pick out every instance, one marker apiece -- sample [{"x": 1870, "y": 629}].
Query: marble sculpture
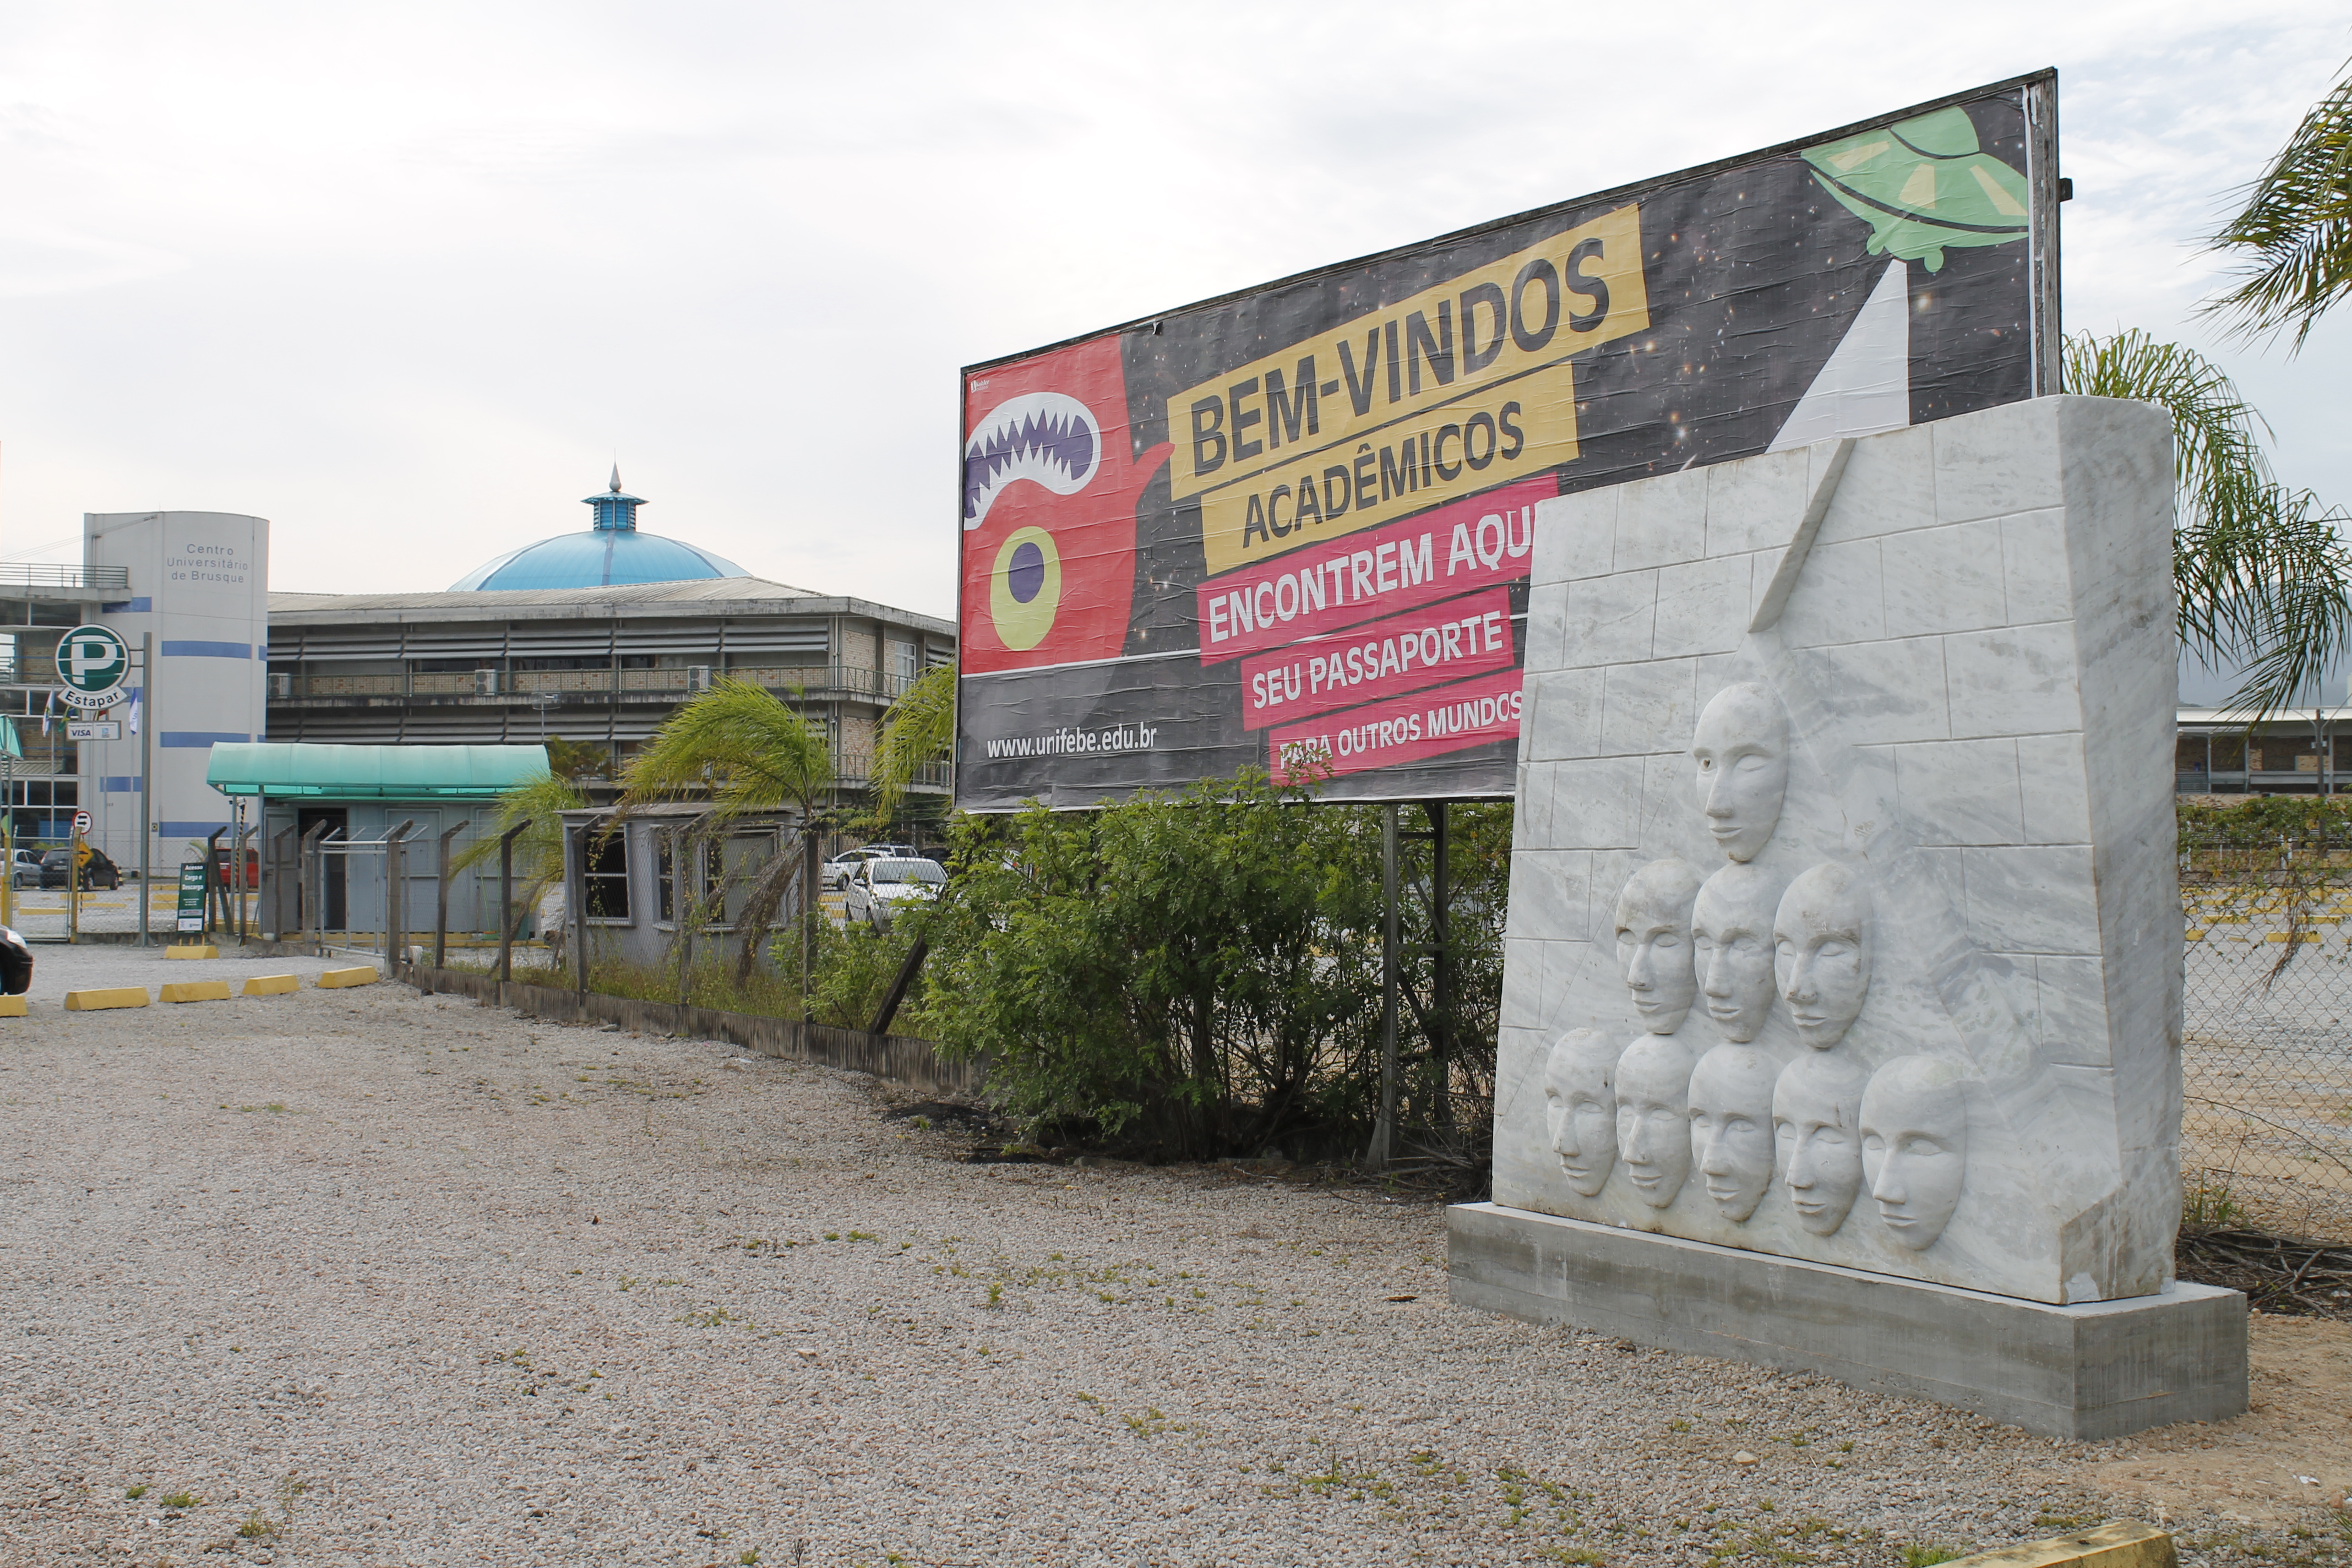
[{"x": 1828, "y": 745}]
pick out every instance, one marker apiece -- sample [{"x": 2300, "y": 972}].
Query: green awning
[{"x": 371, "y": 772}]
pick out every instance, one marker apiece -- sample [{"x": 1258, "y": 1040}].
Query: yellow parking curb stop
[
  {"x": 2124, "y": 1544},
  {"x": 12, "y": 1007},
  {"x": 272, "y": 985},
  {"x": 196, "y": 991},
  {"x": 99, "y": 1001},
  {"x": 337, "y": 979}
]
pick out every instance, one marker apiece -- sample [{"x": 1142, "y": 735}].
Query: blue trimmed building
[{"x": 595, "y": 636}]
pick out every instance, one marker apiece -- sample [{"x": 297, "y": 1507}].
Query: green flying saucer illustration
[{"x": 1924, "y": 186}]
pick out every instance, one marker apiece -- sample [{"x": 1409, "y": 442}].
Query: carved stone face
[
  {"x": 1653, "y": 942},
  {"x": 1732, "y": 946},
  {"x": 1821, "y": 938},
  {"x": 1914, "y": 1146},
  {"x": 1653, "y": 1117},
  {"x": 1740, "y": 748},
  {"x": 1817, "y": 1124},
  {"x": 1731, "y": 1127},
  {"x": 1580, "y": 1108}
]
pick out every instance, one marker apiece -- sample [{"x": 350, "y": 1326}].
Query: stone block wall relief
[{"x": 1843, "y": 917}]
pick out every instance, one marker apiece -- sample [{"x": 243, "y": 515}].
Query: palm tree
[
  {"x": 751, "y": 753},
  {"x": 2258, "y": 570},
  {"x": 2296, "y": 228},
  {"x": 918, "y": 730},
  {"x": 539, "y": 849}
]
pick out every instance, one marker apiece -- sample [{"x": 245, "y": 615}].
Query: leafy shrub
[{"x": 1196, "y": 973}]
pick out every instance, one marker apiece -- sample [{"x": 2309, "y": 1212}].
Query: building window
[
  {"x": 714, "y": 874},
  {"x": 902, "y": 660},
  {"x": 535, "y": 663},
  {"x": 607, "y": 876}
]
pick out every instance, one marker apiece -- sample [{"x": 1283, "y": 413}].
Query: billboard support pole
[
  {"x": 1441, "y": 971},
  {"x": 1384, "y": 1130}
]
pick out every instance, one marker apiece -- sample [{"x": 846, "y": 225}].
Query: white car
[
  {"x": 837, "y": 872},
  {"x": 25, "y": 869},
  {"x": 879, "y": 888}
]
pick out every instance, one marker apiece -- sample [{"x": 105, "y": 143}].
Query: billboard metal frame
[{"x": 2038, "y": 92}]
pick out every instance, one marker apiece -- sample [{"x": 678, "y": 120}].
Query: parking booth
[{"x": 321, "y": 832}]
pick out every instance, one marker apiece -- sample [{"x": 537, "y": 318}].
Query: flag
[
  {"x": 133, "y": 714},
  {"x": 9, "y": 744},
  {"x": 48, "y": 708}
]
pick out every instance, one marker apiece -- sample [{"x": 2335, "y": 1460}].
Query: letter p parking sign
[{"x": 92, "y": 662}]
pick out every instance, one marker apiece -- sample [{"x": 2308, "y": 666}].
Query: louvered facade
[{"x": 600, "y": 666}]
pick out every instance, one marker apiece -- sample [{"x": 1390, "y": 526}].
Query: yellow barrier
[
  {"x": 12, "y": 1007},
  {"x": 99, "y": 1001},
  {"x": 337, "y": 979},
  {"x": 272, "y": 985},
  {"x": 192, "y": 951},
  {"x": 196, "y": 991},
  {"x": 2125, "y": 1544}
]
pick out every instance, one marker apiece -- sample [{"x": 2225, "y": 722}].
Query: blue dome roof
[{"x": 611, "y": 554}]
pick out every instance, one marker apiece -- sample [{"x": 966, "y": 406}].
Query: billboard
[{"x": 1291, "y": 527}]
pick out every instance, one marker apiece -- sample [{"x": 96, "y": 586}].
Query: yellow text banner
[
  {"x": 1489, "y": 439},
  {"x": 1564, "y": 295}
]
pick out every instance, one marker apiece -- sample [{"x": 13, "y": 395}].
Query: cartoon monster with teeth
[{"x": 1051, "y": 481}]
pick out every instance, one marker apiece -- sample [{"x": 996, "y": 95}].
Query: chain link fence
[{"x": 2266, "y": 1129}]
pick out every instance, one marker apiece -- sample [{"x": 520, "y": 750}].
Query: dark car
[
  {"x": 15, "y": 964},
  {"x": 98, "y": 871}
]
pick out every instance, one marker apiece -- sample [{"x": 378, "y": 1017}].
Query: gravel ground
[{"x": 373, "y": 1278}]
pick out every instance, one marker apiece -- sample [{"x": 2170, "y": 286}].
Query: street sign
[
  {"x": 92, "y": 662},
  {"x": 93, "y": 728},
  {"x": 190, "y": 915},
  {"x": 81, "y": 822}
]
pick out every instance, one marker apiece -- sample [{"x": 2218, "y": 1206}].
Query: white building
[{"x": 199, "y": 586}]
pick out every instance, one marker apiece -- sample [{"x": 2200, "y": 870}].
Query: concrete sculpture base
[{"x": 2097, "y": 1370}]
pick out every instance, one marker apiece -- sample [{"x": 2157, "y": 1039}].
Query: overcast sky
[{"x": 406, "y": 280}]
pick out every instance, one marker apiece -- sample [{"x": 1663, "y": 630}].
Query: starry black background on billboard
[{"x": 1754, "y": 273}]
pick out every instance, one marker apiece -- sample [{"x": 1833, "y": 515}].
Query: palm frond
[
  {"x": 919, "y": 729},
  {"x": 2260, "y": 572},
  {"x": 769, "y": 892},
  {"x": 2296, "y": 230},
  {"x": 753, "y": 753},
  {"x": 538, "y": 848},
  {"x": 738, "y": 741}
]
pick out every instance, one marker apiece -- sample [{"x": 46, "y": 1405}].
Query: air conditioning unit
[
  {"x": 486, "y": 683},
  {"x": 697, "y": 677},
  {"x": 282, "y": 686}
]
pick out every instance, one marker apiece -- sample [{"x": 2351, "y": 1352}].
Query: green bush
[
  {"x": 853, "y": 970},
  {"x": 1194, "y": 973}
]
